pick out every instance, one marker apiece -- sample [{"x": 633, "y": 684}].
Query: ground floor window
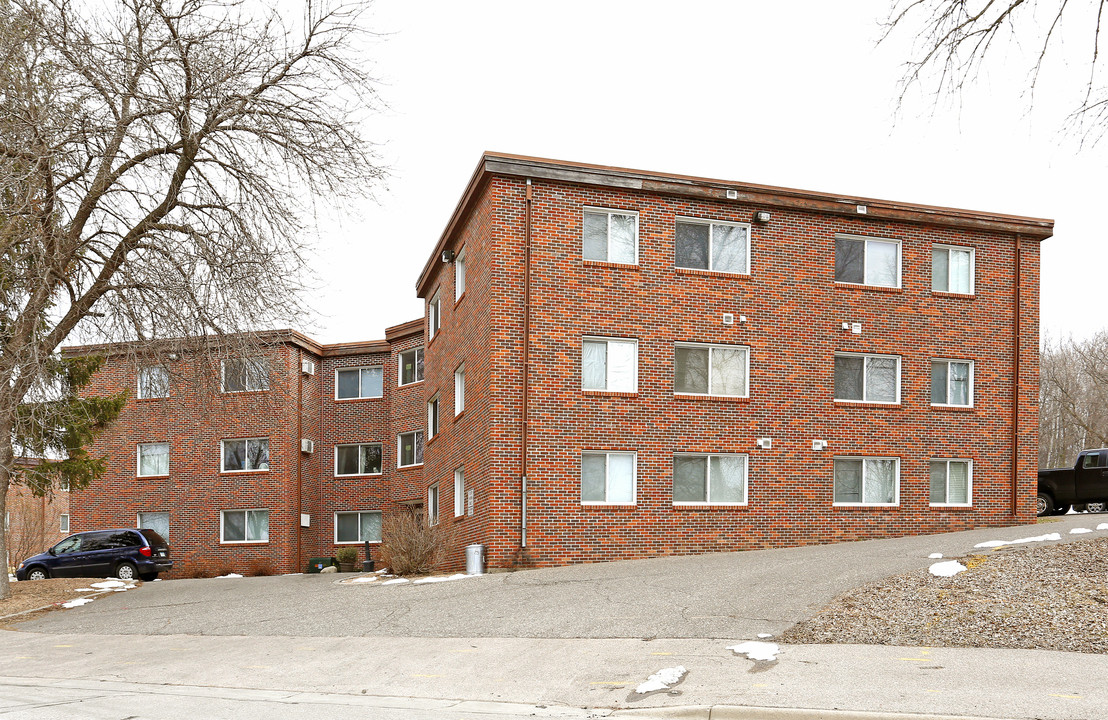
[
  {"x": 354, "y": 527},
  {"x": 238, "y": 526},
  {"x": 950, "y": 482},
  {"x": 63, "y": 523},
  {"x": 608, "y": 478},
  {"x": 156, "y": 521},
  {"x": 867, "y": 481},
  {"x": 433, "y": 504},
  {"x": 459, "y": 493},
  {"x": 705, "y": 479}
]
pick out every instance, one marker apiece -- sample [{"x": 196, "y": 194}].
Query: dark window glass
[
  {"x": 348, "y": 384},
  {"x": 691, "y": 370},
  {"x": 850, "y": 260},
  {"x": 156, "y": 541},
  {"x": 692, "y": 245},
  {"x": 848, "y": 377}
]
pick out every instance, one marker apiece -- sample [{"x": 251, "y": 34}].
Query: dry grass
[{"x": 30, "y": 595}]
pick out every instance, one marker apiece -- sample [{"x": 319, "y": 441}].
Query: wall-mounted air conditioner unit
[
  {"x": 765, "y": 443},
  {"x": 307, "y": 367},
  {"x": 307, "y": 446}
]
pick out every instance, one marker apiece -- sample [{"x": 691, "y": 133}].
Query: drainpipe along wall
[
  {"x": 299, "y": 456},
  {"x": 1018, "y": 281},
  {"x": 526, "y": 363}
]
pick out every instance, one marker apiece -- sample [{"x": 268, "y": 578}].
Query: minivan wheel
[
  {"x": 126, "y": 571},
  {"x": 1044, "y": 504},
  {"x": 1094, "y": 507},
  {"x": 37, "y": 574}
]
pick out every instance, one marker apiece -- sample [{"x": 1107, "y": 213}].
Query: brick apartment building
[{"x": 621, "y": 364}]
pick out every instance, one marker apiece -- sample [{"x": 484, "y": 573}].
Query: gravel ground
[
  {"x": 1052, "y": 597},
  {"x": 31, "y": 595}
]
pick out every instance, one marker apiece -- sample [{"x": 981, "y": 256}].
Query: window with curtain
[
  {"x": 356, "y": 527},
  {"x": 952, "y": 269},
  {"x": 709, "y": 479},
  {"x": 867, "y": 378},
  {"x": 366, "y": 382},
  {"x": 867, "y": 261},
  {"x": 704, "y": 245},
  {"x": 952, "y": 382},
  {"x": 866, "y": 481},
  {"x": 950, "y": 482},
  {"x": 610, "y": 236},
  {"x": 711, "y": 369},
  {"x": 608, "y": 478},
  {"x": 364, "y": 459},
  {"x": 153, "y": 459},
  {"x": 153, "y": 382},
  {"x": 244, "y": 526},
  {"x": 609, "y": 364}
]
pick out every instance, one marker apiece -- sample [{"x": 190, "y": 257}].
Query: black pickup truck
[{"x": 1083, "y": 486}]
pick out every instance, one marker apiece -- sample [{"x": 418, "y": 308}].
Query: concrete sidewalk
[{"x": 569, "y": 675}]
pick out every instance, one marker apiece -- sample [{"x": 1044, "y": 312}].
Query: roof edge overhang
[
  {"x": 263, "y": 338},
  {"x": 767, "y": 196}
]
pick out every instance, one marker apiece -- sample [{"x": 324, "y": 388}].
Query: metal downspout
[
  {"x": 1016, "y": 342},
  {"x": 526, "y": 363}
]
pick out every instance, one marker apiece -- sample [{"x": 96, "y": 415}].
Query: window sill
[
  {"x": 152, "y": 477},
  {"x": 459, "y": 416},
  {"x": 944, "y": 506},
  {"x": 359, "y": 399},
  {"x": 356, "y": 542},
  {"x": 608, "y": 505},
  {"x": 152, "y": 399},
  {"x": 409, "y": 467},
  {"x": 358, "y": 475},
  {"x": 955, "y": 296},
  {"x": 610, "y": 393},
  {"x": 458, "y": 300},
  {"x": 712, "y": 398},
  {"x": 431, "y": 340},
  {"x": 709, "y": 506},
  {"x": 954, "y": 408},
  {"x": 605, "y": 264},
  {"x": 244, "y": 472},
  {"x": 862, "y": 286},
  {"x": 243, "y": 542},
  {"x": 713, "y": 273},
  {"x": 407, "y": 385},
  {"x": 866, "y": 506},
  {"x": 431, "y": 440},
  {"x": 243, "y": 392},
  {"x": 871, "y": 405}
]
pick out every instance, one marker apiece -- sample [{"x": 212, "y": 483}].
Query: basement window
[{"x": 951, "y": 482}]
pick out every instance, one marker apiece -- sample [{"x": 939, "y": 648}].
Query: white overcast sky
[{"x": 781, "y": 93}]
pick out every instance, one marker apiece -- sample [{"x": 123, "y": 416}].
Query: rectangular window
[
  {"x": 867, "y": 261},
  {"x": 434, "y": 315},
  {"x": 366, "y": 382},
  {"x": 410, "y": 448},
  {"x": 243, "y": 526},
  {"x": 63, "y": 523},
  {"x": 153, "y": 459},
  {"x": 609, "y": 364},
  {"x": 952, "y": 269},
  {"x": 245, "y": 455},
  {"x": 704, "y": 245},
  {"x": 610, "y": 236},
  {"x": 459, "y": 274},
  {"x": 608, "y": 478},
  {"x": 433, "y": 417},
  {"x": 433, "y": 504},
  {"x": 702, "y": 479},
  {"x": 357, "y": 527},
  {"x": 153, "y": 382},
  {"x": 459, "y": 493},
  {"x": 245, "y": 375},
  {"x": 867, "y": 378},
  {"x": 952, "y": 382},
  {"x": 358, "y": 459},
  {"x": 951, "y": 482},
  {"x": 459, "y": 390},
  {"x": 411, "y": 366},
  {"x": 156, "y": 521},
  {"x": 711, "y": 370},
  {"x": 867, "y": 481}
]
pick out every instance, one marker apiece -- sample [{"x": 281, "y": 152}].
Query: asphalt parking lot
[{"x": 724, "y": 595}]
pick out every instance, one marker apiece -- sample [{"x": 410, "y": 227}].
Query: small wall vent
[
  {"x": 765, "y": 443},
  {"x": 819, "y": 444},
  {"x": 732, "y": 194}
]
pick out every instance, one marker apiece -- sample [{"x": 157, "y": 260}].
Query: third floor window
[{"x": 610, "y": 236}]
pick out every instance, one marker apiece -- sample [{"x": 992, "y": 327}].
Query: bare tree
[
  {"x": 1073, "y": 410},
  {"x": 955, "y": 40},
  {"x": 157, "y": 159}
]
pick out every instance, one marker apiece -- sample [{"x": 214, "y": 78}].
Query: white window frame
[
  {"x": 434, "y": 496},
  {"x": 708, "y": 484},
  {"x": 607, "y": 366},
  {"x": 143, "y": 372},
  {"x": 899, "y": 377},
  {"x": 359, "y": 513},
  {"x": 459, "y": 492},
  {"x": 434, "y": 418},
  {"x": 710, "y": 348},
  {"x": 138, "y": 518},
  {"x": 434, "y": 314},
  {"x": 359, "y": 445},
  {"x": 400, "y": 447},
  {"x": 246, "y": 527},
  {"x": 263, "y": 363},
  {"x": 460, "y": 390},
  {"x": 63, "y": 523},
  {"x": 459, "y": 274},
  {"x": 865, "y": 259},
  {"x": 969, "y": 481},
  {"x": 864, "y": 458},
  {"x": 608, "y": 248},
  {"x": 138, "y": 459},
  {"x": 359, "y": 369},
  {"x": 711, "y": 242},
  {"x": 972, "y": 267},
  {"x": 607, "y": 478},
  {"x": 222, "y": 455},
  {"x": 948, "y": 361},
  {"x": 400, "y": 367}
]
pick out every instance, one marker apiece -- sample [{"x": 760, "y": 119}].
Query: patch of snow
[
  {"x": 439, "y": 578},
  {"x": 950, "y": 568},
  {"x": 1080, "y": 531},
  {"x": 755, "y": 650},
  {"x": 108, "y": 584},
  {"x": 395, "y": 582},
  {"x": 228, "y": 575},
  {"x": 934, "y": 556},
  {"x": 371, "y": 578},
  {"x": 765, "y": 635},
  {"x": 382, "y": 571},
  {"x": 157, "y": 580},
  {"x": 77, "y": 602},
  {"x": 1038, "y": 538},
  {"x": 1102, "y": 526},
  {"x": 82, "y": 590},
  {"x": 662, "y": 679}
]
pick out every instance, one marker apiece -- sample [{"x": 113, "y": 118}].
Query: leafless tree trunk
[
  {"x": 956, "y": 40},
  {"x": 156, "y": 160},
  {"x": 1073, "y": 411}
]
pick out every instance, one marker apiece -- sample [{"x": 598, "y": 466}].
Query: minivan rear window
[{"x": 155, "y": 540}]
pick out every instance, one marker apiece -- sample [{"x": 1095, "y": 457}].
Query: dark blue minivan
[{"x": 125, "y": 553}]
